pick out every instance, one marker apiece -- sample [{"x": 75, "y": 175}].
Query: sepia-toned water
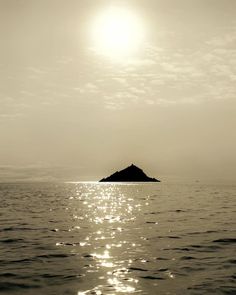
[{"x": 91, "y": 238}]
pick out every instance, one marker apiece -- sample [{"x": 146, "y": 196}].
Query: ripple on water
[
  {"x": 85, "y": 238},
  {"x": 226, "y": 241}
]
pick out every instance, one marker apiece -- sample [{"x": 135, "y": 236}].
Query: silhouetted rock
[{"x": 129, "y": 174}]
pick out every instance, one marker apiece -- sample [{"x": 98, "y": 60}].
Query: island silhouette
[{"x": 129, "y": 174}]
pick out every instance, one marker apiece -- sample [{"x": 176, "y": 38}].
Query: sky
[{"x": 74, "y": 106}]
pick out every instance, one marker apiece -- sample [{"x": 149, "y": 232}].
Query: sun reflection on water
[
  {"x": 107, "y": 238},
  {"x": 108, "y": 212}
]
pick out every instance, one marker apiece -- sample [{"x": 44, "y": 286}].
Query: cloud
[
  {"x": 227, "y": 40},
  {"x": 10, "y": 116},
  {"x": 164, "y": 74},
  {"x": 120, "y": 80},
  {"x": 11, "y": 173},
  {"x": 183, "y": 76}
]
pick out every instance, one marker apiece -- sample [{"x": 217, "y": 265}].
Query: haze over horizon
[{"x": 74, "y": 106}]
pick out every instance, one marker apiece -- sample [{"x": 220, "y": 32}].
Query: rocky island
[{"x": 129, "y": 174}]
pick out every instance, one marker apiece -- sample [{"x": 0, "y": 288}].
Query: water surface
[{"x": 90, "y": 238}]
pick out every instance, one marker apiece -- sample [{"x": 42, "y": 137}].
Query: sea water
[{"x": 91, "y": 238}]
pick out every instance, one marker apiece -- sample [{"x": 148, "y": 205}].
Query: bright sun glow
[{"x": 117, "y": 32}]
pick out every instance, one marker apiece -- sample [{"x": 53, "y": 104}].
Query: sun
[{"x": 117, "y": 32}]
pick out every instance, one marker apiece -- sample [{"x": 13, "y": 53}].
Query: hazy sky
[{"x": 66, "y": 110}]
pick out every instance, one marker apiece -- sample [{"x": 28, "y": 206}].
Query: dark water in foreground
[{"x": 117, "y": 239}]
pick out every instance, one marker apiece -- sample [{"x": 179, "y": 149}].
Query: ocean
[{"x": 99, "y": 238}]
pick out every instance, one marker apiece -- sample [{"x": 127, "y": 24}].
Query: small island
[{"x": 129, "y": 174}]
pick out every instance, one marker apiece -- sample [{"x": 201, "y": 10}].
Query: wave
[
  {"x": 10, "y": 286},
  {"x": 137, "y": 268},
  {"x": 152, "y": 278},
  {"x": 9, "y": 241},
  {"x": 226, "y": 241}
]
